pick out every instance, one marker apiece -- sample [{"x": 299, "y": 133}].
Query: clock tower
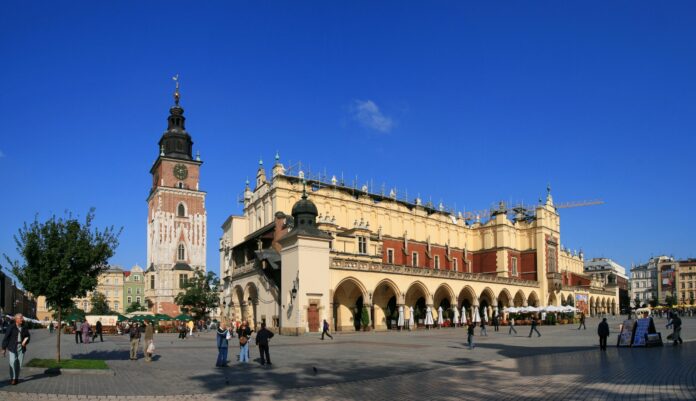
[{"x": 176, "y": 219}]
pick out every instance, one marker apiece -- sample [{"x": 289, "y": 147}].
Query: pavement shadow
[
  {"x": 240, "y": 382},
  {"x": 106, "y": 355}
]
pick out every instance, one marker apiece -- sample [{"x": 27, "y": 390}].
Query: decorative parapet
[
  {"x": 359, "y": 265},
  {"x": 244, "y": 269}
]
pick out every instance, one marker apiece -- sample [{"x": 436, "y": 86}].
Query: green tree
[
  {"x": 653, "y": 302},
  {"x": 365, "y": 318},
  {"x": 99, "y": 304},
  {"x": 671, "y": 300},
  {"x": 636, "y": 301},
  {"x": 200, "y": 295},
  {"x": 62, "y": 259},
  {"x": 135, "y": 307}
]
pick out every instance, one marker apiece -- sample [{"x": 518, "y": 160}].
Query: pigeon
[{"x": 315, "y": 370}]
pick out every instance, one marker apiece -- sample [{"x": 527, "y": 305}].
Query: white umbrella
[
  {"x": 512, "y": 309},
  {"x": 410, "y": 318},
  {"x": 428, "y": 317},
  {"x": 439, "y": 316},
  {"x": 463, "y": 314},
  {"x": 456, "y": 316},
  {"x": 401, "y": 317},
  {"x": 477, "y": 316}
]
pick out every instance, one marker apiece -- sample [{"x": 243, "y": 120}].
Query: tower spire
[{"x": 177, "y": 95}]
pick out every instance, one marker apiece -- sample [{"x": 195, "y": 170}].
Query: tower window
[
  {"x": 513, "y": 267},
  {"x": 454, "y": 264},
  {"x": 182, "y": 280},
  {"x": 152, "y": 282},
  {"x": 437, "y": 262},
  {"x": 181, "y": 253},
  {"x": 181, "y": 185},
  {"x": 414, "y": 259},
  {"x": 181, "y": 210}
]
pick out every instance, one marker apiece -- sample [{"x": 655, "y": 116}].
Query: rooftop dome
[{"x": 304, "y": 206}]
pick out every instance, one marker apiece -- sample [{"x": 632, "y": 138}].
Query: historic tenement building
[
  {"x": 609, "y": 272},
  {"x": 295, "y": 257},
  {"x": 176, "y": 218}
]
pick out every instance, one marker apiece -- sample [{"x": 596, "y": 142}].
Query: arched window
[
  {"x": 181, "y": 254},
  {"x": 181, "y": 210}
]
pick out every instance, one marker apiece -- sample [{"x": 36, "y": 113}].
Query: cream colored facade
[
  {"x": 110, "y": 283},
  {"x": 374, "y": 242}
]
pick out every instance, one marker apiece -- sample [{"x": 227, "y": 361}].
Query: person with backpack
[
  {"x": 262, "y": 338},
  {"x": 244, "y": 334},
  {"x": 325, "y": 330}
]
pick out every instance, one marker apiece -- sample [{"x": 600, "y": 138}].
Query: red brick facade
[{"x": 476, "y": 262}]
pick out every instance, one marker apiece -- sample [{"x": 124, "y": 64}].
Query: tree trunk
[{"x": 60, "y": 317}]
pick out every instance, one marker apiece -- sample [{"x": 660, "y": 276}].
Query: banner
[
  {"x": 626, "y": 334},
  {"x": 641, "y": 330}
]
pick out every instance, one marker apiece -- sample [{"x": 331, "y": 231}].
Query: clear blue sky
[{"x": 465, "y": 103}]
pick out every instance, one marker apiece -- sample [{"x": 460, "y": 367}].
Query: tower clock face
[{"x": 180, "y": 171}]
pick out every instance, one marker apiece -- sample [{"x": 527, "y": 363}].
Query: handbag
[
  {"x": 228, "y": 336},
  {"x": 151, "y": 347},
  {"x": 243, "y": 340}
]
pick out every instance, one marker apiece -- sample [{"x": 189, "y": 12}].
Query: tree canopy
[
  {"x": 99, "y": 304},
  {"x": 135, "y": 307},
  {"x": 200, "y": 294},
  {"x": 62, "y": 259}
]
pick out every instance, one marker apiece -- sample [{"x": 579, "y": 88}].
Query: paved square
[{"x": 564, "y": 363}]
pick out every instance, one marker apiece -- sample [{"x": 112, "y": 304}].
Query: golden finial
[{"x": 175, "y": 78}]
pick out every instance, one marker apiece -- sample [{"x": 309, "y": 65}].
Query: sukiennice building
[{"x": 305, "y": 250}]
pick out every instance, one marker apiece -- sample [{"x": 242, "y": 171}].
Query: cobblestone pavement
[{"x": 562, "y": 364}]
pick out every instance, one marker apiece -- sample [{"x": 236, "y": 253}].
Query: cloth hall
[{"x": 305, "y": 250}]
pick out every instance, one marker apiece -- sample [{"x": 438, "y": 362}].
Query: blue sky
[{"x": 460, "y": 102}]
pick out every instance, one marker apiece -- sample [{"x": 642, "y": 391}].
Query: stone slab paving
[{"x": 563, "y": 364}]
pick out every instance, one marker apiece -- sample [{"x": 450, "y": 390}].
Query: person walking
[
  {"x": 85, "y": 332},
  {"x": 98, "y": 331},
  {"x": 325, "y": 330},
  {"x": 134, "y": 335},
  {"x": 535, "y": 323},
  {"x": 149, "y": 345},
  {"x": 244, "y": 333},
  {"x": 78, "y": 331},
  {"x": 496, "y": 323},
  {"x": 190, "y": 325},
  {"x": 676, "y": 323},
  {"x": 470, "y": 334},
  {"x": 262, "y": 338},
  {"x": 512, "y": 326},
  {"x": 222, "y": 338},
  {"x": 16, "y": 339},
  {"x": 603, "y": 333},
  {"x": 483, "y": 328},
  {"x": 582, "y": 321}
]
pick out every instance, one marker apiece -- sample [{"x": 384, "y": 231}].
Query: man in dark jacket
[
  {"x": 262, "y": 338},
  {"x": 98, "y": 331},
  {"x": 16, "y": 339},
  {"x": 582, "y": 321},
  {"x": 603, "y": 332}
]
